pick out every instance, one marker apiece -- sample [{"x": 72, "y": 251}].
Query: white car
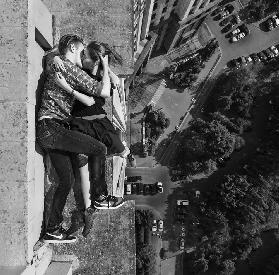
[
  {"x": 160, "y": 187},
  {"x": 183, "y": 202},
  {"x": 274, "y": 49},
  {"x": 128, "y": 189},
  {"x": 193, "y": 100},
  {"x": 197, "y": 193},
  {"x": 182, "y": 244},
  {"x": 238, "y": 37},
  {"x": 161, "y": 225},
  {"x": 154, "y": 226},
  {"x": 276, "y": 19},
  {"x": 236, "y": 31}
]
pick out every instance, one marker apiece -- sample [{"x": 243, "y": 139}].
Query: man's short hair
[{"x": 66, "y": 40}]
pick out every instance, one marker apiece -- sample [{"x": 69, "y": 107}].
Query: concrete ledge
[{"x": 110, "y": 246}]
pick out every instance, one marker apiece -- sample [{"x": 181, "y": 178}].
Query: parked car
[
  {"x": 197, "y": 194},
  {"x": 160, "y": 187},
  {"x": 274, "y": 50},
  {"x": 234, "y": 64},
  {"x": 255, "y": 57},
  {"x": 248, "y": 59},
  {"x": 134, "y": 178},
  {"x": 237, "y": 37},
  {"x": 262, "y": 56},
  {"x": 161, "y": 225},
  {"x": 216, "y": 11},
  {"x": 140, "y": 188},
  {"x": 272, "y": 22},
  {"x": 225, "y": 21},
  {"x": 182, "y": 244},
  {"x": 132, "y": 160},
  {"x": 154, "y": 226},
  {"x": 146, "y": 189},
  {"x": 269, "y": 53},
  {"x": 182, "y": 202},
  {"x": 242, "y": 60},
  {"x": 233, "y": 19},
  {"x": 134, "y": 188},
  {"x": 128, "y": 189},
  {"x": 227, "y": 28}
]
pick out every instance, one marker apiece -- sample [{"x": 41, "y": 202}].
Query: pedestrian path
[{"x": 156, "y": 97}]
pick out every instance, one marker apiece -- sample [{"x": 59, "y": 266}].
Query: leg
[
  {"x": 63, "y": 166},
  {"x": 85, "y": 185}
]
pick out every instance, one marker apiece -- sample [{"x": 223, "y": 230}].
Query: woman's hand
[
  {"x": 104, "y": 61},
  {"x": 62, "y": 83},
  {"x": 58, "y": 64}
]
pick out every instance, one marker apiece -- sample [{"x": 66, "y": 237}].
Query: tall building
[{"x": 177, "y": 21}]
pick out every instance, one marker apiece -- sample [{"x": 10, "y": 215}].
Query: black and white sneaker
[
  {"x": 108, "y": 202},
  {"x": 59, "y": 237}
]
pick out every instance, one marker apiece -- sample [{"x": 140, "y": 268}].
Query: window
[
  {"x": 175, "y": 3},
  {"x": 191, "y": 11},
  {"x": 164, "y": 9},
  {"x": 153, "y": 16},
  {"x": 155, "y": 6}
]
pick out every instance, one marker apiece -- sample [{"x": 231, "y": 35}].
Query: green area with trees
[
  {"x": 185, "y": 70},
  {"x": 242, "y": 203},
  {"x": 256, "y": 10},
  {"x": 145, "y": 254}
]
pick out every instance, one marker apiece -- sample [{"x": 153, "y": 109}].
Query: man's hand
[{"x": 58, "y": 64}]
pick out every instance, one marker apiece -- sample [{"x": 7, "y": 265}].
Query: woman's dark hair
[{"x": 95, "y": 49}]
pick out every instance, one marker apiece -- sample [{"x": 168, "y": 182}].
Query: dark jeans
[{"x": 63, "y": 145}]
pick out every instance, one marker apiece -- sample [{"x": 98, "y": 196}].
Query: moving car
[
  {"x": 128, "y": 189},
  {"x": 161, "y": 225},
  {"x": 154, "y": 226},
  {"x": 160, "y": 187},
  {"x": 182, "y": 202}
]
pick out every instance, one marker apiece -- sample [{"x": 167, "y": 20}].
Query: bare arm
[
  {"x": 62, "y": 83},
  {"x": 104, "y": 89}
]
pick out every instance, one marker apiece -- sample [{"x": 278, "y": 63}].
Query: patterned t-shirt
[{"x": 56, "y": 102}]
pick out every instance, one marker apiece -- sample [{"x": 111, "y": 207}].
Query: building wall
[
  {"x": 21, "y": 165},
  {"x": 103, "y": 20}
]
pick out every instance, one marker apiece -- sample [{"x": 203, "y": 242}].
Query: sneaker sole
[
  {"x": 59, "y": 241},
  {"x": 109, "y": 208}
]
